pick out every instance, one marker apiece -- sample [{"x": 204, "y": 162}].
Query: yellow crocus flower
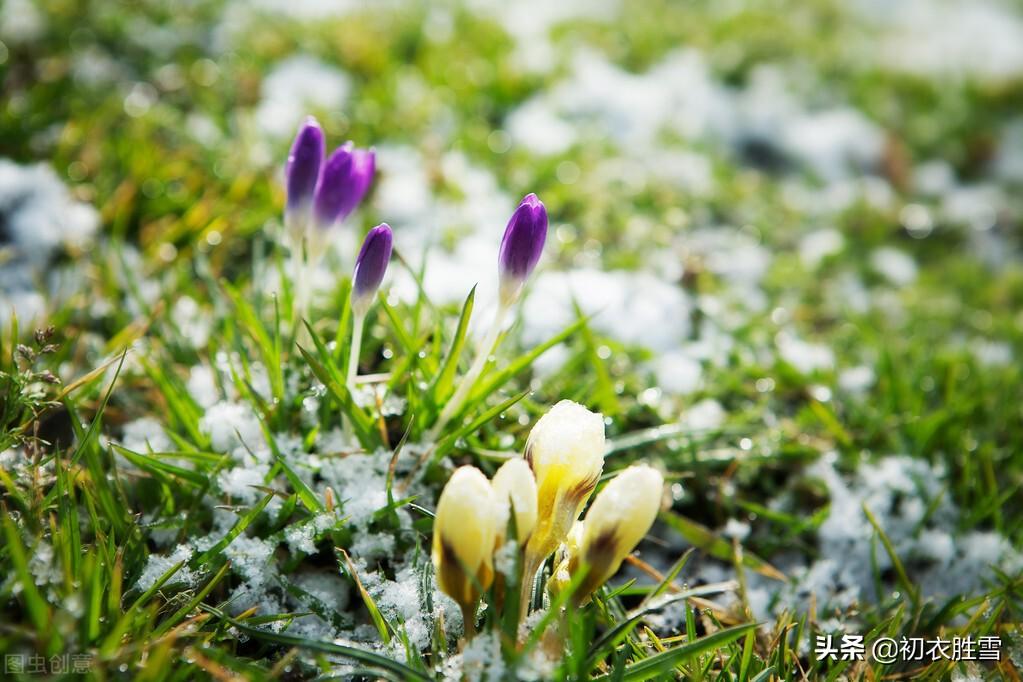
[
  {"x": 565, "y": 450},
  {"x": 619, "y": 517},
  {"x": 464, "y": 533}
]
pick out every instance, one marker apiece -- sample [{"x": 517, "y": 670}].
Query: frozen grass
[{"x": 786, "y": 270}]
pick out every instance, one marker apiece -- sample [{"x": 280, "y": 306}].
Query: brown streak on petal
[
  {"x": 582, "y": 489},
  {"x": 602, "y": 547}
]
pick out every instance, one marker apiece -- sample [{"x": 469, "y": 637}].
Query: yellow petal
[
  {"x": 619, "y": 517},
  {"x": 464, "y": 532},
  {"x": 565, "y": 449},
  {"x": 514, "y": 485}
]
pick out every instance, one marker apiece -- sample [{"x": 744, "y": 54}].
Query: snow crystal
[
  {"x": 401, "y": 601},
  {"x": 201, "y": 386},
  {"x": 42, "y": 565},
  {"x": 360, "y": 482},
  {"x": 251, "y": 557},
  {"x": 329, "y": 589},
  {"x": 300, "y": 536},
  {"x": 157, "y": 565},
  {"x": 234, "y": 428},
  {"x": 239, "y": 483},
  {"x": 482, "y": 660},
  {"x": 144, "y": 435}
]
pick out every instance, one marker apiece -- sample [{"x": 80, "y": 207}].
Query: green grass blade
[
  {"x": 705, "y": 539},
  {"x": 367, "y": 657},
  {"x": 235, "y": 531},
  {"x": 444, "y": 383},
  {"x": 664, "y": 663}
]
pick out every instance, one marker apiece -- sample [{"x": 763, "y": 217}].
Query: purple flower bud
[
  {"x": 521, "y": 246},
  {"x": 303, "y": 170},
  {"x": 344, "y": 182},
  {"x": 371, "y": 264},
  {"x": 332, "y": 194},
  {"x": 364, "y": 163}
]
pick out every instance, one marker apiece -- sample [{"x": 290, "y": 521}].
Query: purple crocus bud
[
  {"x": 333, "y": 192},
  {"x": 370, "y": 266},
  {"x": 521, "y": 246},
  {"x": 302, "y": 174},
  {"x": 343, "y": 183},
  {"x": 364, "y": 163}
]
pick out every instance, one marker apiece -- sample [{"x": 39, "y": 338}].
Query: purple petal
[
  {"x": 303, "y": 169},
  {"x": 334, "y": 191},
  {"x": 364, "y": 163},
  {"x": 371, "y": 264},
  {"x": 523, "y": 240}
]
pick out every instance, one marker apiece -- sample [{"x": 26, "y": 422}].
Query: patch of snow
[
  {"x": 856, "y": 380},
  {"x": 145, "y": 435},
  {"x": 482, "y": 660},
  {"x": 737, "y": 529},
  {"x": 21, "y": 22},
  {"x": 191, "y": 321},
  {"x": 896, "y": 266},
  {"x": 38, "y": 219},
  {"x": 240, "y": 483},
  {"x": 706, "y": 415},
  {"x": 806, "y": 357},
  {"x": 634, "y": 308},
  {"x": 202, "y": 386},
  {"x": 158, "y": 564},
  {"x": 979, "y": 39},
  {"x": 234, "y": 428},
  {"x": 818, "y": 245},
  {"x": 294, "y": 87},
  {"x": 251, "y": 558},
  {"x": 992, "y": 353},
  {"x": 677, "y": 372}
]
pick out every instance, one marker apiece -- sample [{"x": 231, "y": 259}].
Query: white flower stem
[
  {"x": 299, "y": 276},
  {"x": 358, "y": 320},
  {"x": 452, "y": 406}
]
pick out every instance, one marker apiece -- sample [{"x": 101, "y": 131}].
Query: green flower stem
[{"x": 484, "y": 351}]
